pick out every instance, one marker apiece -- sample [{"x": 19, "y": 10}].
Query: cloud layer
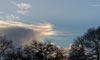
[{"x": 22, "y": 33}]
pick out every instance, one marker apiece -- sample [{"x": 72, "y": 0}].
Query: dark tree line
[
  {"x": 86, "y": 47},
  {"x": 36, "y": 51},
  {"x": 90, "y": 45}
]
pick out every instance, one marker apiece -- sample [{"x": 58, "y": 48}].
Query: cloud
[
  {"x": 22, "y": 33},
  {"x": 62, "y": 33},
  {"x": 23, "y": 12},
  {"x": 12, "y": 17},
  {"x": 23, "y": 8},
  {"x": 94, "y": 5},
  {"x": 23, "y": 5},
  {"x": 45, "y": 29}
]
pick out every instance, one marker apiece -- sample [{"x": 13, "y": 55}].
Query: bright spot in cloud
[{"x": 45, "y": 29}]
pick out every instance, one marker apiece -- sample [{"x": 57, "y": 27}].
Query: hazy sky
[{"x": 71, "y": 17}]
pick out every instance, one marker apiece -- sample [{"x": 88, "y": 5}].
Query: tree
[
  {"x": 77, "y": 52},
  {"x": 36, "y": 51},
  {"x": 46, "y": 51},
  {"x": 4, "y": 45},
  {"x": 91, "y": 42}
]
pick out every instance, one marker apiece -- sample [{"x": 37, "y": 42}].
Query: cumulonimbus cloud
[{"x": 22, "y": 33}]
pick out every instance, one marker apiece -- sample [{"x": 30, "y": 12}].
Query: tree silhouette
[
  {"x": 46, "y": 51},
  {"x": 77, "y": 52},
  {"x": 91, "y": 41},
  {"x": 35, "y": 51},
  {"x": 4, "y": 45}
]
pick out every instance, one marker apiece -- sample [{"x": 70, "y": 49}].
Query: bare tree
[
  {"x": 4, "y": 45},
  {"x": 91, "y": 41},
  {"x": 37, "y": 51},
  {"x": 77, "y": 52}
]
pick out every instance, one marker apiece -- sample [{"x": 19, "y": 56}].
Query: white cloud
[
  {"x": 23, "y": 12},
  {"x": 45, "y": 29},
  {"x": 22, "y": 33},
  {"x": 94, "y": 5},
  {"x": 11, "y": 17},
  {"x": 23, "y": 5}
]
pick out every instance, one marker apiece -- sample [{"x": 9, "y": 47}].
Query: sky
[{"x": 68, "y": 18}]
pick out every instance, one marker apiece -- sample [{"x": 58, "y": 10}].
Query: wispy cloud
[
  {"x": 60, "y": 35},
  {"x": 23, "y": 12},
  {"x": 23, "y": 5},
  {"x": 45, "y": 29},
  {"x": 23, "y": 8},
  {"x": 94, "y": 5},
  {"x": 12, "y": 17}
]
